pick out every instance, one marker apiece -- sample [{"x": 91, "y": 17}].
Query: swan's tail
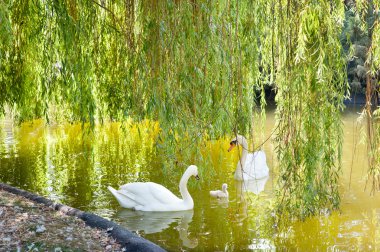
[
  {"x": 123, "y": 199},
  {"x": 214, "y": 194}
]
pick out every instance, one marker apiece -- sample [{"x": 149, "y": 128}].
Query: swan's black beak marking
[
  {"x": 196, "y": 177},
  {"x": 232, "y": 145}
]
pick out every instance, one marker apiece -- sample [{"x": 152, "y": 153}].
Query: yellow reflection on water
[
  {"x": 75, "y": 166},
  {"x": 356, "y": 226},
  {"x": 69, "y": 162}
]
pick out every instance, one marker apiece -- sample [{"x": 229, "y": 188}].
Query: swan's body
[
  {"x": 154, "y": 197},
  {"x": 251, "y": 165},
  {"x": 220, "y": 193}
]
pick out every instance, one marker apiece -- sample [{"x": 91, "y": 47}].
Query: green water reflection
[{"x": 62, "y": 163}]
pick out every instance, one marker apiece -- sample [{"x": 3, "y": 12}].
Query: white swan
[
  {"x": 154, "y": 197},
  {"x": 220, "y": 193},
  {"x": 251, "y": 165}
]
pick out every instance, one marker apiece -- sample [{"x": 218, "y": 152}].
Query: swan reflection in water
[
  {"x": 154, "y": 222},
  {"x": 255, "y": 185}
]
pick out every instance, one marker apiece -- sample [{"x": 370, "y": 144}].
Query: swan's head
[
  {"x": 224, "y": 187},
  {"x": 239, "y": 139},
  {"x": 193, "y": 171}
]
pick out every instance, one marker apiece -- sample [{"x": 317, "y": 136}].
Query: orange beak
[{"x": 231, "y": 147}]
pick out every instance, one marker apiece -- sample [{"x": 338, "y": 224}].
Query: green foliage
[
  {"x": 6, "y": 39},
  {"x": 311, "y": 86},
  {"x": 369, "y": 16},
  {"x": 193, "y": 66}
]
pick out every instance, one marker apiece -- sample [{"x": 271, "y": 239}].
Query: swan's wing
[
  {"x": 214, "y": 194},
  {"x": 257, "y": 158},
  {"x": 256, "y": 165},
  {"x": 218, "y": 194},
  {"x": 148, "y": 193},
  {"x": 123, "y": 200}
]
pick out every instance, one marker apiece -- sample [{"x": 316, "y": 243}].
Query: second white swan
[
  {"x": 251, "y": 165},
  {"x": 150, "y": 196}
]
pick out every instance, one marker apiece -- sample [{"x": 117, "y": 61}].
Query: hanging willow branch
[
  {"x": 311, "y": 84},
  {"x": 193, "y": 66},
  {"x": 368, "y": 11},
  {"x": 174, "y": 62}
]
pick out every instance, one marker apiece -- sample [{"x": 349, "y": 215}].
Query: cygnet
[{"x": 220, "y": 193}]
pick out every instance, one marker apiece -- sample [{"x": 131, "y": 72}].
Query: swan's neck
[
  {"x": 183, "y": 189},
  {"x": 241, "y": 163},
  {"x": 244, "y": 153}
]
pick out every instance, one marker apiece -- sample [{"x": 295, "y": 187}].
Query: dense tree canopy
[{"x": 197, "y": 67}]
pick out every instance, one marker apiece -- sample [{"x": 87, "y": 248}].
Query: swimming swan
[
  {"x": 251, "y": 165},
  {"x": 220, "y": 193},
  {"x": 154, "y": 197}
]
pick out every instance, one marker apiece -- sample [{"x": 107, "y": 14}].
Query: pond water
[{"x": 63, "y": 164}]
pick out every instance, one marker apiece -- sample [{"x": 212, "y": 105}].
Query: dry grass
[{"x": 28, "y": 226}]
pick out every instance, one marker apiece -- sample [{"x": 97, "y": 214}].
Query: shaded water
[{"x": 65, "y": 165}]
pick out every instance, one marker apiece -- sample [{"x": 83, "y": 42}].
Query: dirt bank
[{"x": 28, "y": 226}]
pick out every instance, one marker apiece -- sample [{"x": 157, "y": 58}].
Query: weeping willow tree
[
  {"x": 311, "y": 83},
  {"x": 369, "y": 15},
  {"x": 193, "y": 66},
  {"x": 200, "y": 78}
]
